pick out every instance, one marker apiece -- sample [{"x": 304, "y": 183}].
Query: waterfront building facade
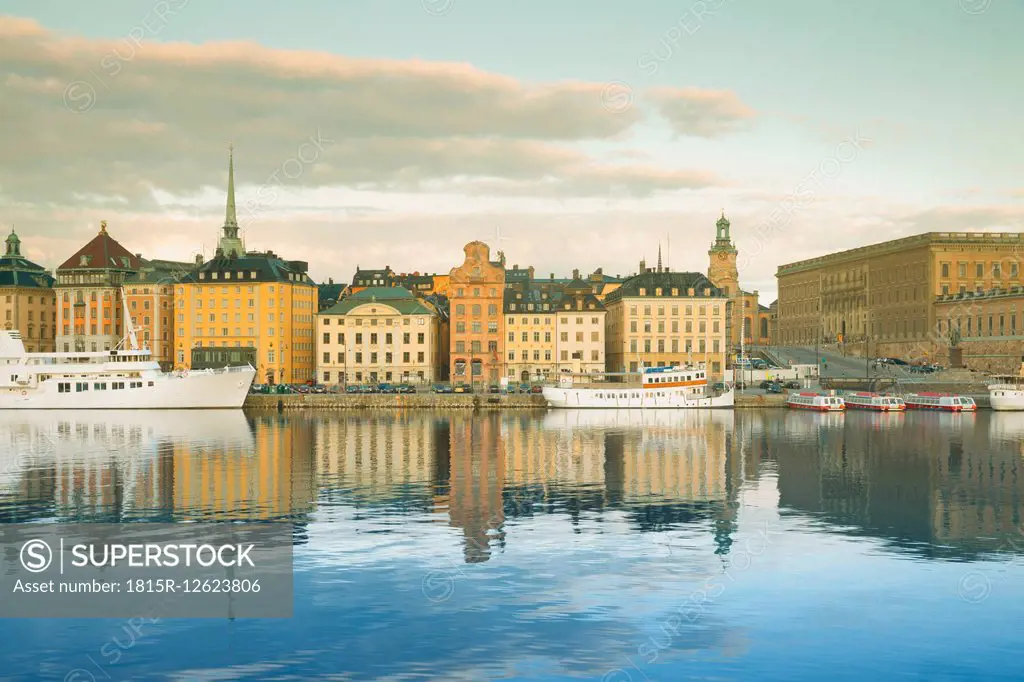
[
  {"x": 579, "y": 329},
  {"x": 476, "y": 295},
  {"x": 987, "y": 327},
  {"x": 251, "y": 300},
  {"x": 89, "y": 298},
  {"x": 881, "y": 298},
  {"x": 150, "y": 297},
  {"x": 27, "y": 300},
  {"x": 666, "y": 318},
  {"x": 381, "y": 334},
  {"x": 530, "y": 324}
]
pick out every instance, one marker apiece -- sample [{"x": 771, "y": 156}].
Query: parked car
[
  {"x": 406, "y": 388},
  {"x": 741, "y": 385},
  {"x": 792, "y": 384},
  {"x": 524, "y": 388},
  {"x": 759, "y": 364},
  {"x": 256, "y": 388},
  {"x": 318, "y": 388},
  {"x": 441, "y": 388},
  {"x": 463, "y": 388},
  {"x": 387, "y": 388},
  {"x": 764, "y": 384},
  {"x": 353, "y": 388},
  {"x": 537, "y": 388},
  {"x": 370, "y": 388},
  {"x": 775, "y": 388},
  {"x": 494, "y": 388},
  {"x": 718, "y": 386}
]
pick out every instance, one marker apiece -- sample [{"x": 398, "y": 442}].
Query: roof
[
  {"x": 18, "y": 271},
  {"x": 666, "y": 281},
  {"x": 268, "y": 267},
  {"x": 161, "y": 272},
  {"x": 399, "y": 298},
  {"x": 102, "y": 252}
]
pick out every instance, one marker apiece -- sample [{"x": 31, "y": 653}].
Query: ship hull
[
  {"x": 1006, "y": 399},
  {"x": 192, "y": 390}
]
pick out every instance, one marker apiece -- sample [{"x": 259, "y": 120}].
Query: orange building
[
  {"x": 90, "y": 307},
  {"x": 476, "y": 292},
  {"x": 150, "y": 297}
]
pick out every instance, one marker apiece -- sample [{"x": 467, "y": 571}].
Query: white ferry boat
[
  {"x": 114, "y": 379},
  {"x": 875, "y": 402},
  {"x": 660, "y": 388},
  {"x": 944, "y": 402},
  {"x": 1006, "y": 393},
  {"x": 820, "y": 402}
]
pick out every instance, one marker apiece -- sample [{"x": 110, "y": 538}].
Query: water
[{"x": 751, "y": 545}]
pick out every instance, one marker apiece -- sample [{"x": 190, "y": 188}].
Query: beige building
[
  {"x": 881, "y": 298},
  {"x": 988, "y": 327},
  {"x": 27, "y": 301},
  {"x": 661, "y": 318},
  {"x": 580, "y": 330},
  {"x": 381, "y": 334}
]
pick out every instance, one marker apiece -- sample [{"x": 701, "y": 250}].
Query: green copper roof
[{"x": 399, "y": 298}]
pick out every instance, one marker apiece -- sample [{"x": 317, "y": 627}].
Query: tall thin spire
[
  {"x": 659, "y": 256},
  {"x": 230, "y": 220}
]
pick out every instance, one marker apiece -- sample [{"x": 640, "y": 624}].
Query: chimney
[
  {"x": 576, "y": 273},
  {"x": 552, "y": 276},
  {"x": 199, "y": 259},
  {"x": 330, "y": 280}
]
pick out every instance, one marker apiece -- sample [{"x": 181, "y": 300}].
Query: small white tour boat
[
  {"x": 820, "y": 402},
  {"x": 1006, "y": 393},
  {"x": 944, "y": 402},
  {"x": 660, "y": 388},
  {"x": 874, "y": 401}
]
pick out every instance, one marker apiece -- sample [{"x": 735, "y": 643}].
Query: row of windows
[
  {"x": 31, "y": 299},
  {"x": 563, "y": 336},
  {"x": 996, "y": 269},
  {"x": 421, "y": 338},
  {"x": 292, "y": 276},
  {"x": 992, "y": 325},
  {"x": 476, "y": 327},
  {"x": 702, "y": 310},
  {"x": 83, "y": 386},
  {"x": 460, "y": 292},
  {"x": 224, "y": 331},
  {"x": 547, "y": 320},
  {"x": 687, "y": 327},
  {"x": 595, "y": 355},
  {"x": 475, "y": 347},
  {"x": 492, "y": 310},
  {"x": 31, "y": 315},
  {"x": 662, "y": 347},
  {"x": 373, "y": 357},
  {"x": 421, "y": 321},
  {"x": 372, "y": 377}
]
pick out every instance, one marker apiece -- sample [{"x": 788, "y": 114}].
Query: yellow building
[
  {"x": 27, "y": 301},
  {"x": 249, "y": 299},
  {"x": 579, "y": 329},
  {"x": 379, "y": 334},
  {"x": 662, "y": 318},
  {"x": 987, "y": 327},
  {"x": 530, "y": 327},
  {"x": 886, "y": 292}
]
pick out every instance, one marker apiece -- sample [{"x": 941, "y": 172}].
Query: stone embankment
[{"x": 429, "y": 401}]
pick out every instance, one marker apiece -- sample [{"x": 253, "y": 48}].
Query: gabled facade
[
  {"x": 476, "y": 295},
  {"x": 89, "y": 303}
]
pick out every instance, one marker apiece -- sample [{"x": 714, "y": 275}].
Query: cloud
[
  {"x": 702, "y": 113},
  {"x": 123, "y": 118}
]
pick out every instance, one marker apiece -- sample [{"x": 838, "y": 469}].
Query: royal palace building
[{"x": 881, "y": 299}]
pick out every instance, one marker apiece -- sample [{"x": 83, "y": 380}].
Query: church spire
[
  {"x": 229, "y": 241},
  {"x": 659, "y": 257},
  {"x": 230, "y": 220}
]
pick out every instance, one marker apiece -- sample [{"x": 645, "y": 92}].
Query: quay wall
[{"x": 383, "y": 401}]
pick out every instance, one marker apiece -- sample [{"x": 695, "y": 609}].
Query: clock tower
[{"x": 722, "y": 260}]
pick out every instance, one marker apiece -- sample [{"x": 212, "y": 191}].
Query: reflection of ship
[
  {"x": 636, "y": 419},
  {"x": 876, "y": 421},
  {"x": 1008, "y": 427}
]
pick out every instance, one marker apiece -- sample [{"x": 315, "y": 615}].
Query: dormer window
[
  {"x": 643, "y": 292},
  {"x": 227, "y": 275},
  {"x": 126, "y": 262},
  {"x": 213, "y": 275},
  {"x": 202, "y": 275},
  {"x": 252, "y": 275},
  {"x": 675, "y": 292},
  {"x": 657, "y": 292},
  {"x": 84, "y": 259}
]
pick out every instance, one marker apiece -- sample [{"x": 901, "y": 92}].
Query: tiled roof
[
  {"x": 102, "y": 252},
  {"x": 399, "y": 298},
  {"x": 666, "y": 281}
]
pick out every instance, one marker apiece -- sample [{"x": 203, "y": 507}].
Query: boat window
[{"x": 79, "y": 387}]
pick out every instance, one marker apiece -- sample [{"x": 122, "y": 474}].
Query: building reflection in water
[{"x": 941, "y": 485}]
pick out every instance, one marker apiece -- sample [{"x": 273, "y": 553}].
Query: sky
[{"x": 569, "y": 135}]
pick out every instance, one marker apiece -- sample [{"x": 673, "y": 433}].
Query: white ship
[
  {"x": 114, "y": 379},
  {"x": 660, "y": 388},
  {"x": 1006, "y": 393}
]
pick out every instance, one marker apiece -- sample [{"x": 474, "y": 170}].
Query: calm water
[{"x": 597, "y": 545}]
